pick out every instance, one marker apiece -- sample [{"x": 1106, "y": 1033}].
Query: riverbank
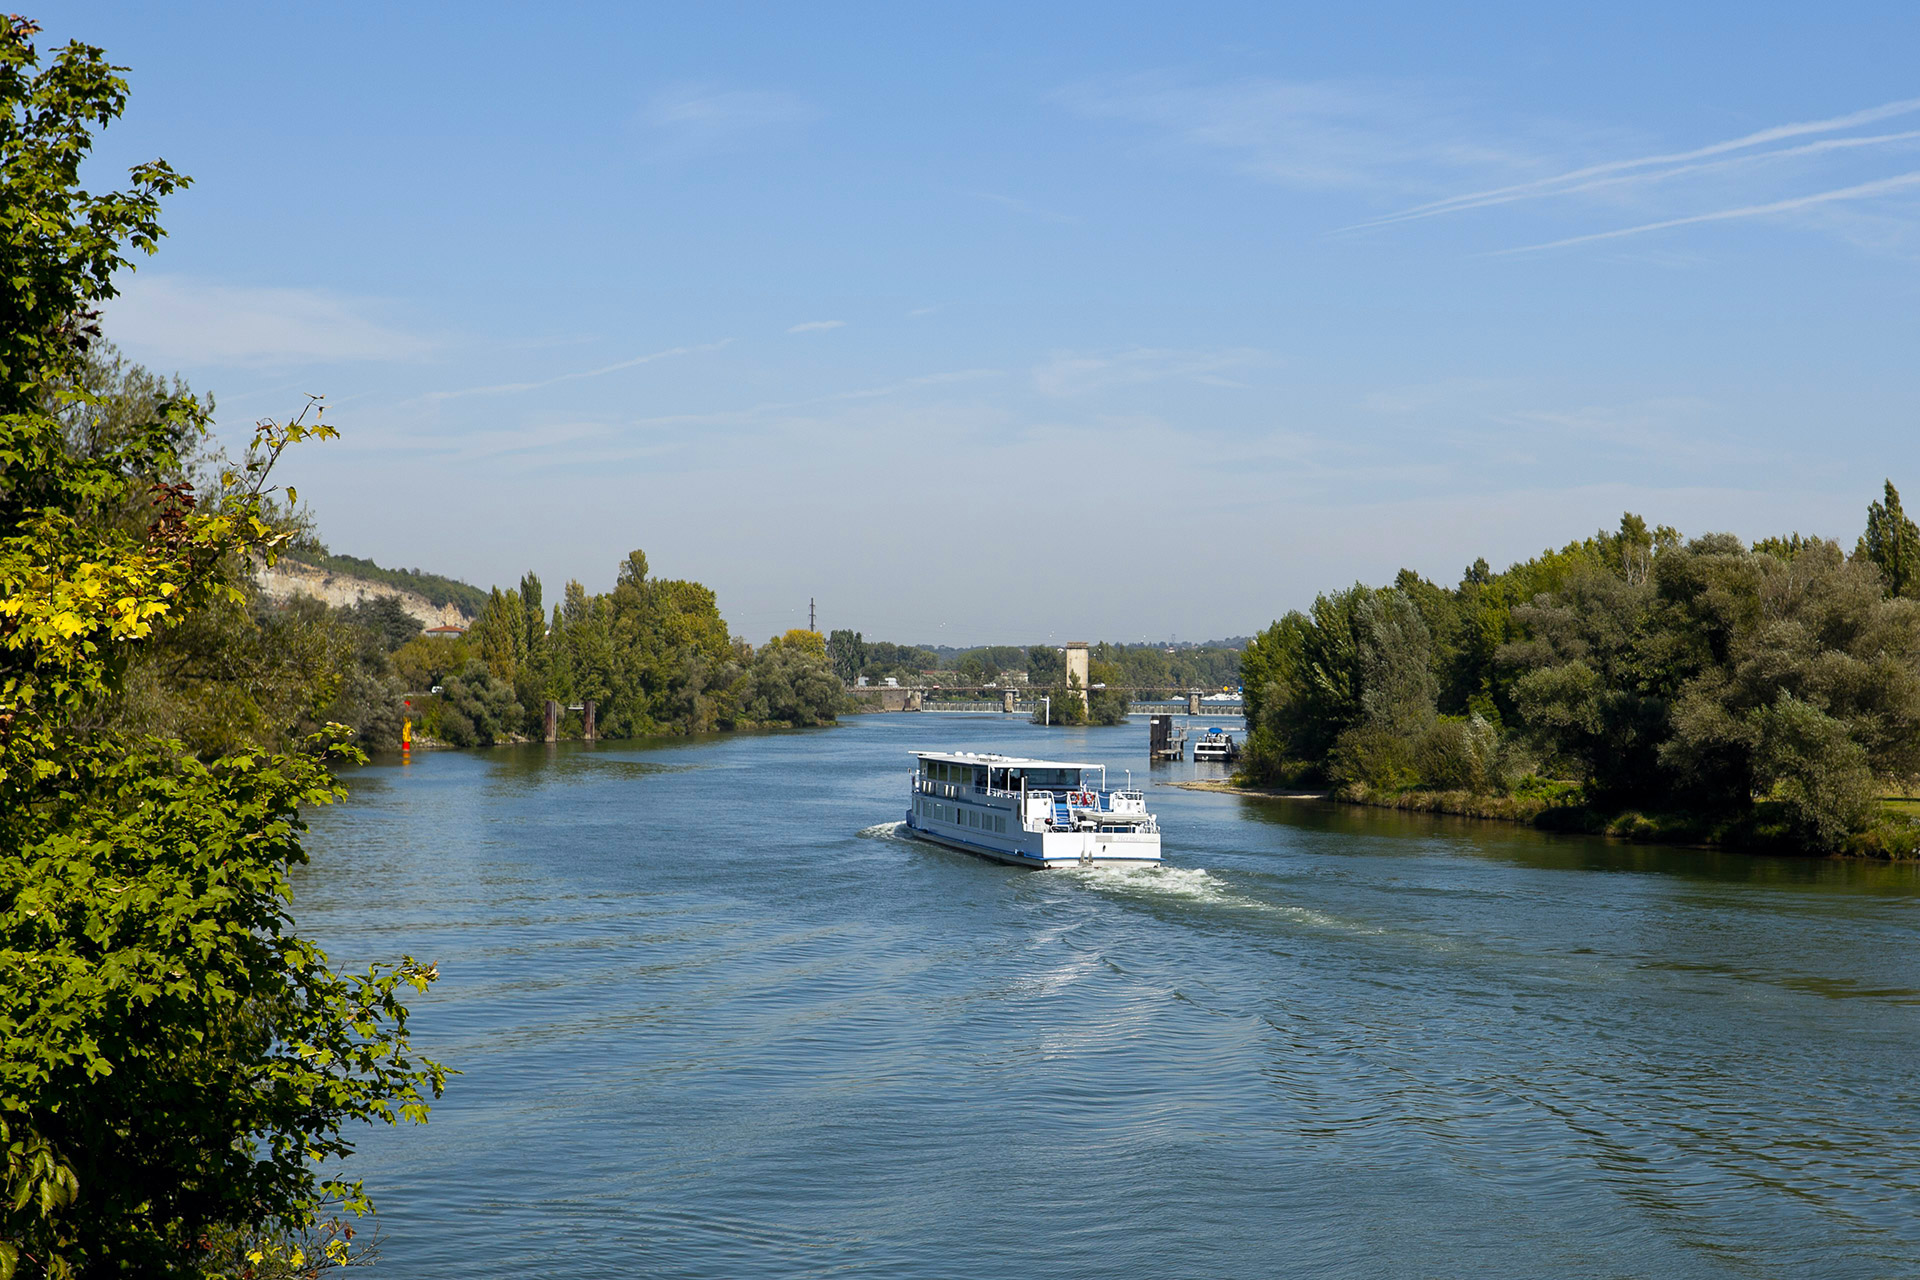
[
  {"x": 1896, "y": 838},
  {"x": 1462, "y": 804},
  {"x": 1229, "y": 787}
]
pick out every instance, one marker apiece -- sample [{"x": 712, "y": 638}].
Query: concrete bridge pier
[
  {"x": 1006, "y": 701},
  {"x": 1193, "y": 702}
]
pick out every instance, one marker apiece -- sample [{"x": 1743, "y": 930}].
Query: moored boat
[
  {"x": 1030, "y": 813},
  {"x": 1216, "y": 744}
]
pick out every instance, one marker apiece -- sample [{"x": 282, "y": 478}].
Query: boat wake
[
  {"x": 887, "y": 831},
  {"x": 1191, "y": 884},
  {"x": 1197, "y": 886}
]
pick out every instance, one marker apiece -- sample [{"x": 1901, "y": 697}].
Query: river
[{"x": 716, "y": 1018}]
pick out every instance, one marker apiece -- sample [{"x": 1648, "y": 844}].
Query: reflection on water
[{"x": 719, "y": 1017}]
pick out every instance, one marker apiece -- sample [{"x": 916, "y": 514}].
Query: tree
[
  {"x": 1045, "y": 664},
  {"x": 1395, "y": 692},
  {"x": 476, "y": 710},
  {"x": 849, "y": 654},
  {"x": 386, "y": 618},
  {"x": 177, "y": 1065},
  {"x": 1066, "y": 703},
  {"x": 1107, "y": 706},
  {"x": 791, "y": 683},
  {"x": 1820, "y": 775},
  {"x": 1892, "y": 543},
  {"x": 1396, "y": 679}
]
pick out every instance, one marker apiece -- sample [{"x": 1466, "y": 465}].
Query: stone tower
[{"x": 1077, "y": 667}]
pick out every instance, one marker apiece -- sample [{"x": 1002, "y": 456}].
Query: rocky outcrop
[{"x": 289, "y": 578}]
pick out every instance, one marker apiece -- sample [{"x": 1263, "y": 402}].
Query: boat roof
[{"x": 1002, "y": 762}]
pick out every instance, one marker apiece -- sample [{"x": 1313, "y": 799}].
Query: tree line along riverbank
[
  {"x": 1763, "y": 696},
  {"x": 257, "y": 669}
]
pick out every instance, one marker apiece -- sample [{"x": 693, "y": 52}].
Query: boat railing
[{"x": 1102, "y": 800}]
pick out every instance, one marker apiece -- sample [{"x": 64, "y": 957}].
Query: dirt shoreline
[{"x": 1226, "y": 788}]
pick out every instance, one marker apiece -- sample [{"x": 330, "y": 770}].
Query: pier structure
[
  {"x": 1164, "y": 740},
  {"x": 551, "y": 721}
]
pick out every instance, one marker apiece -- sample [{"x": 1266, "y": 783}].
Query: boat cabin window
[{"x": 1053, "y": 779}]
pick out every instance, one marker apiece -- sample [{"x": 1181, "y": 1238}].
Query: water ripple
[{"x": 717, "y": 1021}]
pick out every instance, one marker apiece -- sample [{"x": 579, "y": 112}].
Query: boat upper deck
[
  {"x": 999, "y": 761},
  {"x": 987, "y": 772}
]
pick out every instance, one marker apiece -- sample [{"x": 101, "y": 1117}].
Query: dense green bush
[
  {"x": 1763, "y": 693},
  {"x": 476, "y": 710},
  {"x": 790, "y": 682}
]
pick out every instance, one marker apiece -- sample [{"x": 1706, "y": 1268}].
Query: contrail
[
  {"x": 1877, "y": 187},
  {"x": 1541, "y": 185},
  {"x": 1676, "y": 171},
  {"x": 510, "y": 388}
]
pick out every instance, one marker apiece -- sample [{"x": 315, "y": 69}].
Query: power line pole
[{"x": 810, "y": 625}]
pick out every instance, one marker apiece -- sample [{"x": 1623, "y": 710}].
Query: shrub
[
  {"x": 476, "y": 710},
  {"x": 1815, "y": 771},
  {"x": 1461, "y": 754}
]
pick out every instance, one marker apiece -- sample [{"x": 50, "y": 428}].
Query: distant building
[{"x": 451, "y": 633}]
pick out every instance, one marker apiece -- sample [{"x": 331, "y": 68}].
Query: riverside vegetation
[
  {"x": 1764, "y": 696},
  {"x": 248, "y": 671},
  {"x": 179, "y": 1068},
  {"x": 653, "y": 654}
]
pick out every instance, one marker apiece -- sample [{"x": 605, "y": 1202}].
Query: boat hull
[{"x": 1053, "y": 850}]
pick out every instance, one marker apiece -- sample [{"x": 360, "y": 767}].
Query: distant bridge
[{"x": 1025, "y": 700}]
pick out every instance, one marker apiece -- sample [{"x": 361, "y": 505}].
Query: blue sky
[{"x": 1012, "y": 322}]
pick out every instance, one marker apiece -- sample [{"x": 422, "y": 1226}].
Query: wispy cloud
[
  {"x": 1317, "y": 135},
  {"x": 699, "y": 117},
  {"x": 815, "y": 326},
  {"x": 737, "y": 417},
  {"x": 1069, "y": 373},
  {"x": 1026, "y": 208},
  {"x": 510, "y": 388},
  {"x": 178, "y": 320}
]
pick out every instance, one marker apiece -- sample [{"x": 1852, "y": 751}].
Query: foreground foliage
[{"x": 177, "y": 1065}]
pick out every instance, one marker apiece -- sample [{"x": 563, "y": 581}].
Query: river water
[{"x": 717, "y": 1018}]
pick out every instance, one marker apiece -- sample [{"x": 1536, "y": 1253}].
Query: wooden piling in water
[
  {"x": 553, "y": 720},
  {"x": 586, "y": 716}
]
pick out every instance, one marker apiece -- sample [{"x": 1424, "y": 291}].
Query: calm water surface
[{"x": 717, "y": 1019}]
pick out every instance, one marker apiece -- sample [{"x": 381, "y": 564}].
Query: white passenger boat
[
  {"x": 1031, "y": 813},
  {"x": 1216, "y": 744}
]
